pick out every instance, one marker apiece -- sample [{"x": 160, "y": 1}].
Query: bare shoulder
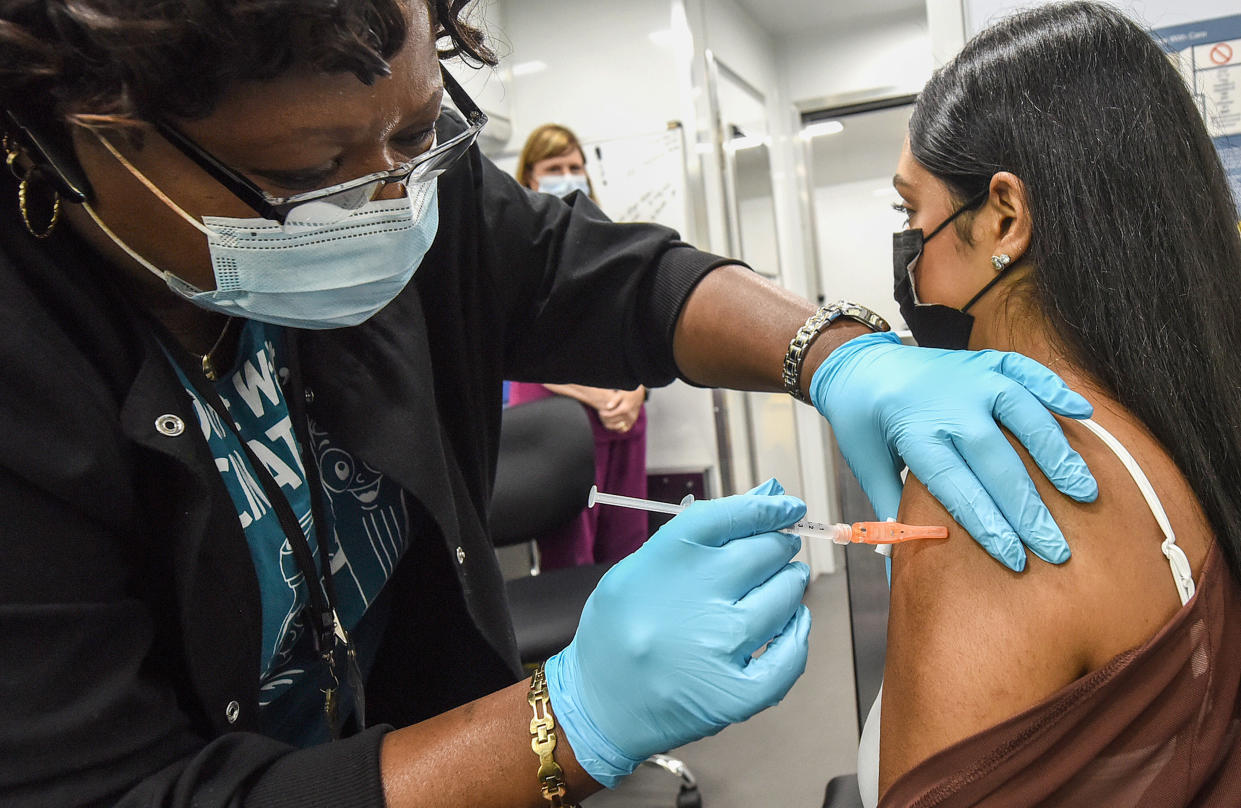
[{"x": 971, "y": 643}]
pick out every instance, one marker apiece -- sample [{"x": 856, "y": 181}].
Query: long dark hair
[
  {"x": 1135, "y": 248},
  {"x": 141, "y": 59}
]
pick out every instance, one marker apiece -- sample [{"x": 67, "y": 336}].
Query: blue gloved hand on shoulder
[
  {"x": 662, "y": 655},
  {"x": 936, "y": 411}
]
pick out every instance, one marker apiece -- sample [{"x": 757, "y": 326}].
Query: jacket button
[
  {"x": 232, "y": 712},
  {"x": 310, "y": 396},
  {"x": 460, "y": 556},
  {"x": 169, "y": 425}
]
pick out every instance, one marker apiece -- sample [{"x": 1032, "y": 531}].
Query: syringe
[{"x": 840, "y": 533}]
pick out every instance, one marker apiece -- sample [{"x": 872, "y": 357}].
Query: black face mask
[{"x": 933, "y": 325}]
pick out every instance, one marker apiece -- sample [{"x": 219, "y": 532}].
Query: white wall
[
  {"x": 876, "y": 58},
  {"x": 736, "y": 38},
  {"x": 605, "y": 76}
]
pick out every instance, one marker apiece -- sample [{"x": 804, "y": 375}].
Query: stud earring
[{"x": 1000, "y": 261}]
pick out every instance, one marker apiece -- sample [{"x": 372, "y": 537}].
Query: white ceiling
[{"x": 784, "y": 17}]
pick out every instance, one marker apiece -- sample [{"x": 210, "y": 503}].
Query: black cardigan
[{"x": 129, "y": 607}]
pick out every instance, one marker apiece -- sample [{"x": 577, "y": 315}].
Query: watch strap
[{"x": 799, "y": 346}]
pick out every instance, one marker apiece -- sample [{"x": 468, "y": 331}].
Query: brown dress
[{"x": 1156, "y": 726}]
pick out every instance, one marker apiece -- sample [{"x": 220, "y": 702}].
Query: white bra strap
[{"x": 1177, "y": 560}]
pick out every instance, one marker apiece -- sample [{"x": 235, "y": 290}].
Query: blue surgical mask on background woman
[
  {"x": 306, "y": 275},
  {"x": 562, "y": 185}
]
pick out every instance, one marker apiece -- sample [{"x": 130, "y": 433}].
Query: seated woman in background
[
  {"x": 553, "y": 162},
  {"x": 1072, "y": 202}
]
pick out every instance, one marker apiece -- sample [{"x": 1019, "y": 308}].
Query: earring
[
  {"x": 22, "y": 207},
  {"x": 23, "y": 186},
  {"x": 1000, "y": 261}
]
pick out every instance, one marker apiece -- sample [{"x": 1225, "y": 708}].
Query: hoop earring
[
  {"x": 11, "y": 155},
  {"x": 1000, "y": 261},
  {"x": 25, "y": 212}
]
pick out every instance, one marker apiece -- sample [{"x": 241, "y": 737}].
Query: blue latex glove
[
  {"x": 936, "y": 411},
  {"x": 662, "y": 653}
]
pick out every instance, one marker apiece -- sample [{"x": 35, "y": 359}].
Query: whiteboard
[{"x": 639, "y": 178}]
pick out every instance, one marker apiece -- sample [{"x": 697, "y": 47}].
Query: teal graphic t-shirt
[{"x": 365, "y": 516}]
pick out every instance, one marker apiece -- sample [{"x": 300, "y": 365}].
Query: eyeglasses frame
[{"x": 278, "y": 208}]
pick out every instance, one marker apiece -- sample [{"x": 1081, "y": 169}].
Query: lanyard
[{"x": 328, "y": 633}]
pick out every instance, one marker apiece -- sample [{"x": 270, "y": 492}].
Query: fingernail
[
  {"x": 1087, "y": 489},
  {"x": 1053, "y": 550},
  {"x": 1016, "y": 561}
]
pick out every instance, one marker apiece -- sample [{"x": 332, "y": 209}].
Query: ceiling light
[{"x": 822, "y": 128}]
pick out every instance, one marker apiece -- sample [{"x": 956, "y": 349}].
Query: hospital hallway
[{"x": 785, "y": 755}]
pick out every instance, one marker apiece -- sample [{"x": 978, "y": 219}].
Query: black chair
[{"x": 545, "y": 470}]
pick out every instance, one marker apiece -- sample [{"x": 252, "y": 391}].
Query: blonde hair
[{"x": 547, "y": 141}]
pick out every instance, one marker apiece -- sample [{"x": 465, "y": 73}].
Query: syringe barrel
[{"x": 838, "y": 533}]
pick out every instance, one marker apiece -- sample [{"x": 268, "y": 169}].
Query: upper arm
[
  {"x": 970, "y": 643},
  {"x": 583, "y": 299},
  {"x": 570, "y": 282}
]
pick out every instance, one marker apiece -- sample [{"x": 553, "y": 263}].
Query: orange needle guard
[{"x": 894, "y": 532}]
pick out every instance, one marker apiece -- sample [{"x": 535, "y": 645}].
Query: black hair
[
  {"x": 127, "y": 59},
  {"x": 1135, "y": 247}
]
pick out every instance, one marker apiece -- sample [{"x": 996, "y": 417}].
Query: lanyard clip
[
  {"x": 326, "y": 630},
  {"x": 332, "y": 636},
  {"x": 338, "y": 629}
]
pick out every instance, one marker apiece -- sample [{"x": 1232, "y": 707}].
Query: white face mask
[
  {"x": 562, "y": 185},
  {"x": 301, "y": 275}
]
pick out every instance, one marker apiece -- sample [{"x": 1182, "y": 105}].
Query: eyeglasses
[{"x": 331, "y": 204}]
